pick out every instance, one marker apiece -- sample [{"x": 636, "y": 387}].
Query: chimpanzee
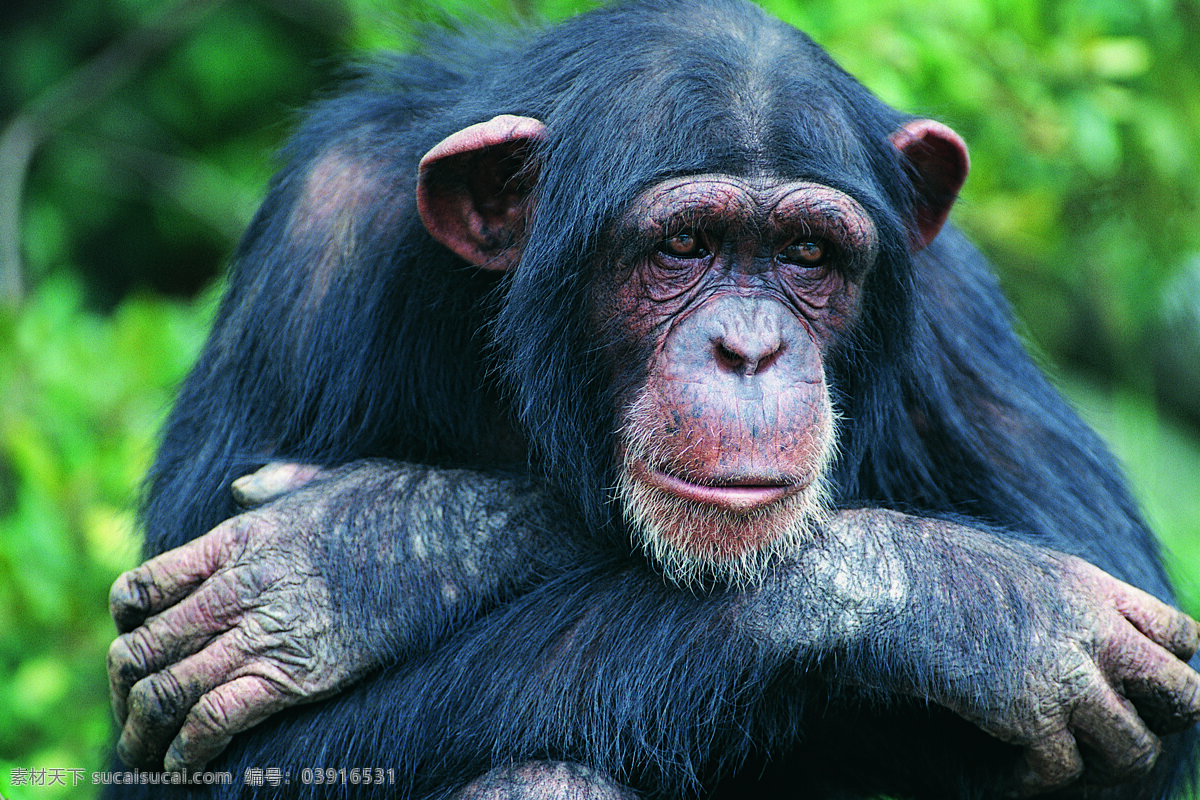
[{"x": 628, "y": 432}]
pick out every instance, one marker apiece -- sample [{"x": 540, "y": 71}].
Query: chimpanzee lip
[{"x": 739, "y": 495}]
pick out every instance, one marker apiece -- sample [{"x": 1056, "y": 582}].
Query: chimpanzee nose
[{"x": 748, "y": 350}]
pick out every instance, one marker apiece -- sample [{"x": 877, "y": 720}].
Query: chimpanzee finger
[
  {"x": 1111, "y": 729},
  {"x": 164, "y": 579},
  {"x": 219, "y": 716},
  {"x": 1049, "y": 763},
  {"x": 167, "y": 637},
  {"x": 1158, "y": 621},
  {"x": 159, "y": 704},
  {"x": 1165, "y": 690},
  {"x": 272, "y": 482}
]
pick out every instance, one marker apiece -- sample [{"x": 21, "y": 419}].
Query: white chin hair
[{"x": 704, "y": 546}]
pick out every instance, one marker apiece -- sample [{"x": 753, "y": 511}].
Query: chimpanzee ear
[
  {"x": 473, "y": 189},
  {"x": 940, "y": 164}
]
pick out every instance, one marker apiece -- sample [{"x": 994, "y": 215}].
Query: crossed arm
[{"x": 347, "y": 571}]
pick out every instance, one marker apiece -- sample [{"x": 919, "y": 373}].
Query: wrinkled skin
[
  {"x": 726, "y": 444},
  {"x": 1106, "y": 669},
  {"x": 239, "y": 624},
  {"x": 232, "y": 628}
]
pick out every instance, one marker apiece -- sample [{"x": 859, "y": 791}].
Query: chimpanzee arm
[
  {"x": 606, "y": 665},
  {"x": 357, "y": 568},
  {"x": 1019, "y": 640}
]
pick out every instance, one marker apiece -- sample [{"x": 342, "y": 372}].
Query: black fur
[{"x": 402, "y": 352}]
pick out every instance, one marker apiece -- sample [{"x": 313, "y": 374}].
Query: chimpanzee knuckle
[
  {"x": 1123, "y": 748},
  {"x": 194, "y": 747},
  {"x": 259, "y": 574},
  {"x": 1180, "y": 697},
  {"x": 1080, "y": 678},
  {"x": 1054, "y": 762},
  {"x": 256, "y": 583},
  {"x": 206, "y": 731},
  {"x": 223, "y": 601},
  {"x": 279, "y": 566},
  {"x": 122, "y": 675},
  {"x": 120, "y": 661},
  {"x": 1062, "y": 774},
  {"x": 132, "y": 655},
  {"x": 1190, "y": 709},
  {"x": 247, "y": 642},
  {"x": 280, "y": 677},
  {"x": 231, "y": 540},
  {"x": 129, "y": 600},
  {"x": 1162, "y": 685},
  {"x": 1161, "y": 624},
  {"x": 1192, "y": 704},
  {"x": 1137, "y": 761},
  {"x": 1191, "y": 637},
  {"x": 157, "y": 699},
  {"x": 275, "y": 626},
  {"x": 209, "y": 717},
  {"x": 1171, "y": 710},
  {"x": 133, "y": 750},
  {"x": 1184, "y": 639}
]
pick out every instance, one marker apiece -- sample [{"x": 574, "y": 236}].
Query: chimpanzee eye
[
  {"x": 807, "y": 253},
  {"x": 683, "y": 245}
]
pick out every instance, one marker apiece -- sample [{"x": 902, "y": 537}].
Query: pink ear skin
[
  {"x": 939, "y": 158},
  {"x": 473, "y": 189}
]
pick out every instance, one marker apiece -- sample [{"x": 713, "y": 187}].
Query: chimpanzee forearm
[{"x": 411, "y": 552}]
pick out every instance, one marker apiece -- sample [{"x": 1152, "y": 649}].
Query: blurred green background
[{"x": 137, "y": 137}]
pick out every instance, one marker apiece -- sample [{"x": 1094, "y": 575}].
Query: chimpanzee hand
[
  {"x": 343, "y": 571},
  {"x": 1042, "y": 650},
  {"x": 1107, "y": 685},
  {"x": 223, "y": 632}
]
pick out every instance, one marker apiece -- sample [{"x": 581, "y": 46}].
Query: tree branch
[{"x": 79, "y": 92}]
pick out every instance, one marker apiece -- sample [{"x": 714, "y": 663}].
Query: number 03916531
[{"x": 358, "y": 776}]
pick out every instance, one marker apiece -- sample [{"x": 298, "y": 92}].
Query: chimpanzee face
[
  {"x": 720, "y": 298},
  {"x": 730, "y": 292}
]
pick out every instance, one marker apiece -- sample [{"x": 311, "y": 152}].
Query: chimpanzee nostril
[
  {"x": 747, "y": 356},
  {"x": 728, "y": 359}
]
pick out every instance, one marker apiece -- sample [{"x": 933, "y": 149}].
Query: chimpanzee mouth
[{"x": 740, "y": 495}]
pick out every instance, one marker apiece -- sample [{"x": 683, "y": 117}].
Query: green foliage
[{"x": 82, "y": 395}]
